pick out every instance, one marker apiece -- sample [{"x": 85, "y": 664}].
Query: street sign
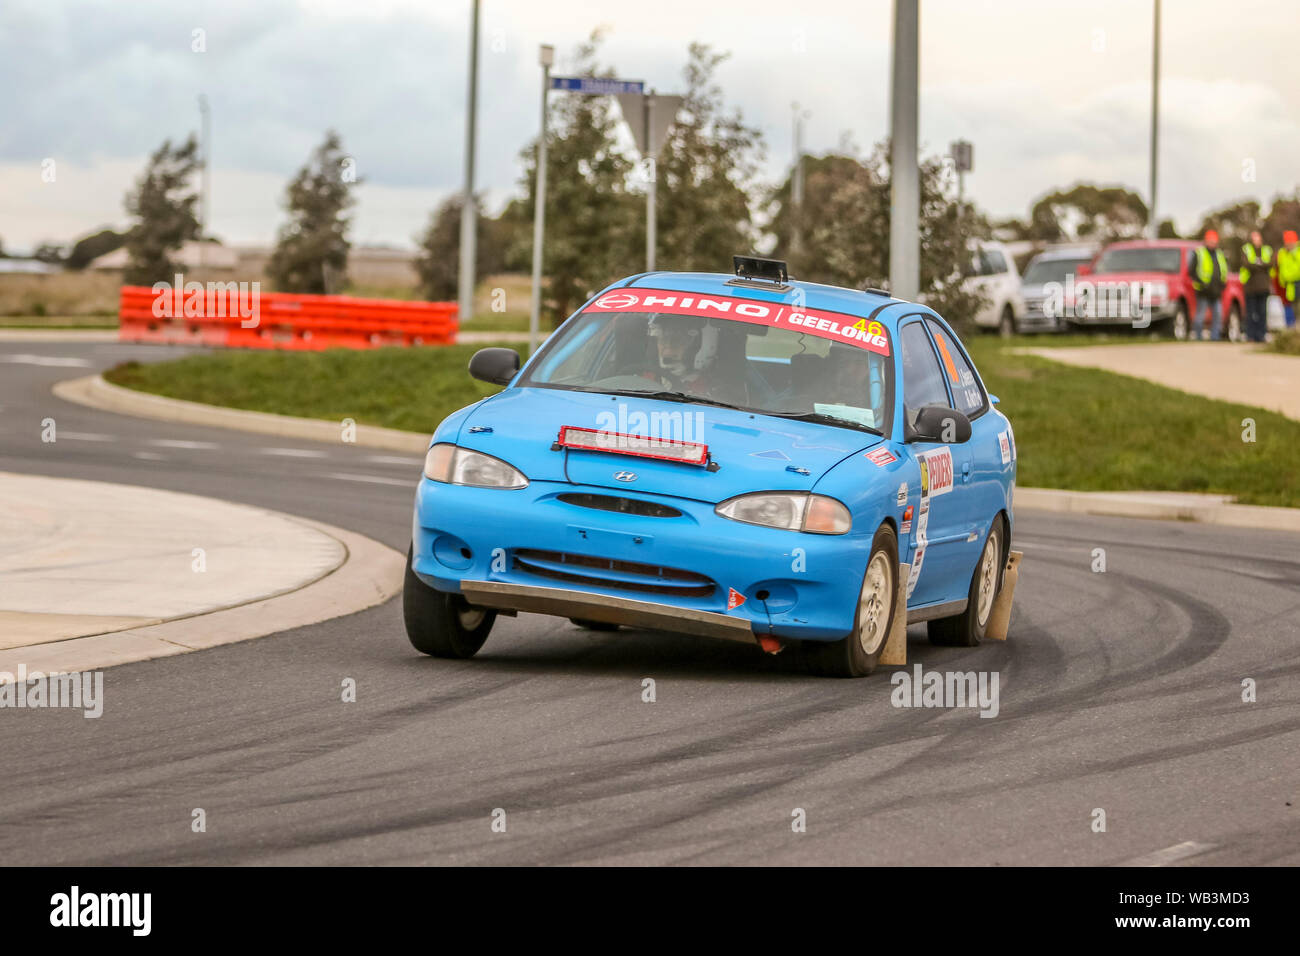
[
  {"x": 963, "y": 156},
  {"x": 642, "y": 117},
  {"x": 596, "y": 86}
]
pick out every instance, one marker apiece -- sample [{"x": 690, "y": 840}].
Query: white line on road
[
  {"x": 148, "y": 456},
  {"x": 52, "y": 360},
  {"x": 293, "y": 452},
  {"x": 84, "y": 436},
  {"x": 177, "y": 443},
  {"x": 1170, "y": 854},
  {"x": 394, "y": 460},
  {"x": 403, "y": 482}
]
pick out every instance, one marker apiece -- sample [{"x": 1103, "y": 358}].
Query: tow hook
[{"x": 771, "y": 645}]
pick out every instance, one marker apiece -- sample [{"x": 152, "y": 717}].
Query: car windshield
[
  {"x": 1139, "y": 260},
  {"x": 813, "y": 375},
  {"x": 1043, "y": 271}
]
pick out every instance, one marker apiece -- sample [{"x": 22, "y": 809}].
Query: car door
[
  {"x": 939, "y": 531},
  {"x": 985, "y": 459}
]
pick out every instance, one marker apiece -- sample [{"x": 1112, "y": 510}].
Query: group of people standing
[{"x": 1263, "y": 272}]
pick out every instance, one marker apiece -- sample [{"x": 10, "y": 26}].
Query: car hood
[
  {"x": 753, "y": 452},
  {"x": 1104, "y": 278}
]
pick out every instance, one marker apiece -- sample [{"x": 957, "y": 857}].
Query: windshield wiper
[
  {"x": 820, "y": 418},
  {"x": 670, "y": 396}
]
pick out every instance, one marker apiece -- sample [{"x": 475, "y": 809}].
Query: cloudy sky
[{"x": 1049, "y": 92}]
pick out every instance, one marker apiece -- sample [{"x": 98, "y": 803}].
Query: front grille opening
[
  {"x": 627, "y": 506},
  {"x": 612, "y": 573}
]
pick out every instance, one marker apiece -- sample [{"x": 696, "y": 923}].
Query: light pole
[
  {"x": 652, "y": 170},
  {"x": 546, "y": 57},
  {"x": 796, "y": 179},
  {"x": 468, "y": 208},
  {"x": 905, "y": 186},
  {"x": 1153, "y": 224},
  {"x": 205, "y": 134}
]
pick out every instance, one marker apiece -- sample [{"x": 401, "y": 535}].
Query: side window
[
  {"x": 922, "y": 377},
  {"x": 994, "y": 262},
  {"x": 967, "y": 395}
]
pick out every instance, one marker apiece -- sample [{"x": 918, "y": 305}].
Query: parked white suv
[{"x": 993, "y": 274}]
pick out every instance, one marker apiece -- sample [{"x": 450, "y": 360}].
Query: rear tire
[
  {"x": 587, "y": 625},
  {"x": 858, "y": 654},
  {"x": 1007, "y": 323},
  {"x": 441, "y": 624},
  {"x": 967, "y": 628},
  {"x": 1234, "y": 331}
]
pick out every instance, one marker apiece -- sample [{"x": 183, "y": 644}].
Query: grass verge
[
  {"x": 1090, "y": 430},
  {"x": 1076, "y": 428},
  {"x": 412, "y": 389}
]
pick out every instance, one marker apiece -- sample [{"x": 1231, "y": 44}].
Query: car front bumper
[{"x": 697, "y": 572}]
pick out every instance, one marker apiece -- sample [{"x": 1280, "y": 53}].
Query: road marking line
[
  {"x": 1170, "y": 854},
  {"x": 51, "y": 360},
  {"x": 148, "y": 456},
  {"x": 177, "y": 443},
  {"x": 394, "y": 460},
  {"x": 84, "y": 436},
  {"x": 293, "y": 452},
  {"x": 403, "y": 482}
]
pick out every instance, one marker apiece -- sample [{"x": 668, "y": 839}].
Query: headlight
[
  {"x": 794, "y": 512},
  {"x": 461, "y": 466},
  {"x": 1159, "y": 293}
]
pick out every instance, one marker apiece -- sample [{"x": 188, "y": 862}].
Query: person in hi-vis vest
[
  {"x": 1288, "y": 275},
  {"x": 1257, "y": 273},
  {"x": 1209, "y": 273}
]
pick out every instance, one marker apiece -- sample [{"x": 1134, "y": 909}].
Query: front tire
[
  {"x": 858, "y": 654},
  {"x": 967, "y": 628},
  {"x": 1180, "y": 326},
  {"x": 441, "y": 624}
]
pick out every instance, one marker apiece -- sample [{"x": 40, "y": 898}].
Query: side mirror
[
  {"x": 940, "y": 424},
  {"x": 495, "y": 366}
]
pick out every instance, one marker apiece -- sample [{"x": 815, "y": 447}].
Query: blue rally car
[{"x": 740, "y": 456}]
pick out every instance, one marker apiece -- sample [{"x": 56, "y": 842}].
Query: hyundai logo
[{"x": 625, "y": 475}]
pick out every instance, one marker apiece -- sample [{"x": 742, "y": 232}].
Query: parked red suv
[{"x": 1164, "y": 264}]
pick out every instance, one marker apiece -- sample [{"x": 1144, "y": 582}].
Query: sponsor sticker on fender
[
  {"x": 936, "y": 472},
  {"x": 1004, "y": 445},
  {"x": 880, "y": 457},
  {"x": 836, "y": 326}
]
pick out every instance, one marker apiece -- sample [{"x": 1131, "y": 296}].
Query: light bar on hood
[{"x": 619, "y": 443}]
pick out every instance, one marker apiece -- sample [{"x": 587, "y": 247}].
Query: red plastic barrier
[{"x": 278, "y": 320}]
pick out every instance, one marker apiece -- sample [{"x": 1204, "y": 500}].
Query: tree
[
  {"x": 1282, "y": 217},
  {"x": 91, "y": 247},
  {"x": 51, "y": 253},
  {"x": 591, "y": 214},
  {"x": 1234, "y": 224},
  {"x": 162, "y": 204},
  {"x": 706, "y": 168},
  {"x": 1086, "y": 212},
  {"x": 846, "y": 217},
  {"x": 311, "y": 251},
  {"x": 439, "y": 261}
]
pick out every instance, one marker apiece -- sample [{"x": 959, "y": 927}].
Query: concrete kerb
[{"x": 95, "y": 392}]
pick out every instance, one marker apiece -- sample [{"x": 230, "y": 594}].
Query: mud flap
[
  {"x": 894, "y": 653},
  {"x": 1000, "y": 616}
]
